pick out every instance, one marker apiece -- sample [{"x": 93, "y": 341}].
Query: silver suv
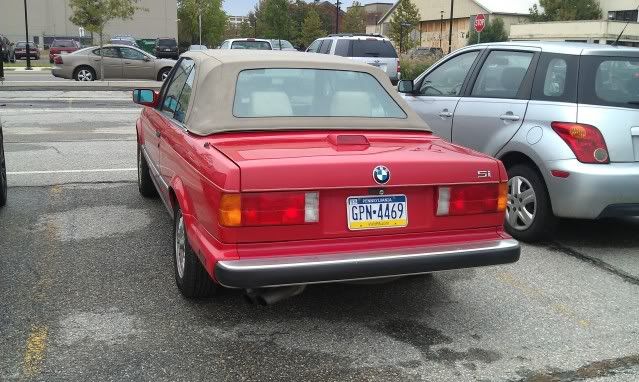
[
  {"x": 563, "y": 117},
  {"x": 372, "y": 49}
]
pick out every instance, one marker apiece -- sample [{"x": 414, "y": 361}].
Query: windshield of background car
[
  {"x": 21, "y": 44},
  {"x": 373, "y": 48},
  {"x": 167, "y": 42},
  {"x": 312, "y": 93},
  {"x": 251, "y": 45},
  {"x": 64, "y": 44},
  {"x": 609, "y": 81},
  {"x": 282, "y": 44}
]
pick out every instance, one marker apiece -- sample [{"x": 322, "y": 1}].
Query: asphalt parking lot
[{"x": 87, "y": 290}]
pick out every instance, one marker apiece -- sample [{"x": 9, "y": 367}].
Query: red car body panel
[
  {"x": 195, "y": 171},
  {"x": 57, "y": 50}
]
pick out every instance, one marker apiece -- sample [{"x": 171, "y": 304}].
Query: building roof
[{"x": 518, "y": 7}]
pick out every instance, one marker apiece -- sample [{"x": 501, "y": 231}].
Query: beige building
[
  {"x": 433, "y": 29},
  {"x": 615, "y": 15},
  {"x": 50, "y": 18},
  {"x": 374, "y": 12}
]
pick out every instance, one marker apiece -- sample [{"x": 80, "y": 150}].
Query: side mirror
[
  {"x": 146, "y": 58},
  {"x": 405, "y": 86},
  {"x": 146, "y": 97}
]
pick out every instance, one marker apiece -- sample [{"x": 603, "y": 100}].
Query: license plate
[
  {"x": 381, "y": 66},
  {"x": 167, "y": 50},
  {"x": 373, "y": 212},
  {"x": 64, "y": 52}
]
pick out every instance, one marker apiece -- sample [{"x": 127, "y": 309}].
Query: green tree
[
  {"x": 565, "y": 10},
  {"x": 275, "y": 19},
  {"x": 93, "y": 15},
  {"x": 311, "y": 28},
  {"x": 245, "y": 29},
  {"x": 355, "y": 19},
  {"x": 298, "y": 10},
  {"x": 405, "y": 19},
  {"x": 214, "y": 22},
  {"x": 494, "y": 31}
]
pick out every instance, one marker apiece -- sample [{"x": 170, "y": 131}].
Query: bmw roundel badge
[{"x": 381, "y": 174}]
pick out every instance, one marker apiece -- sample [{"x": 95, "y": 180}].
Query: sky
[{"x": 242, "y": 7}]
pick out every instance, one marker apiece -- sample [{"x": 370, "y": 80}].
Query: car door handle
[
  {"x": 445, "y": 114},
  {"x": 509, "y": 117},
  {"x": 158, "y": 134}
]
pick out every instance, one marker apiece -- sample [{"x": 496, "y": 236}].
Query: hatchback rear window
[
  {"x": 312, "y": 93},
  {"x": 166, "y": 42},
  {"x": 609, "y": 81},
  {"x": 251, "y": 45},
  {"x": 373, "y": 48}
]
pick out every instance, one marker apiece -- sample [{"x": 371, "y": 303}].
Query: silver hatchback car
[{"x": 563, "y": 117}]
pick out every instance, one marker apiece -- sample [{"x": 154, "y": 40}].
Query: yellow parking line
[{"x": 34, "y": 353}]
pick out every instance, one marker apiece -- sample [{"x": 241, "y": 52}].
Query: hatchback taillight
[
  {"x": 57, "y": 60},
  {"x": 585, "y": 141},
  {"x": 471, "y": 199},
  {"x": 269, "y": 209}
]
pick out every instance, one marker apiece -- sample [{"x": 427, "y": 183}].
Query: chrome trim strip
[{"x": 156, "y": 172}]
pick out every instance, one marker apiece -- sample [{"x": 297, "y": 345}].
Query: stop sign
[{"x": 480, "y": 22}]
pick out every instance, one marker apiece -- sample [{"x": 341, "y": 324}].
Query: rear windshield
[
  {"x": 252, "y": 45},
  {"x": 22, "y": 44},
  {"x": 373, "y": 48},
  {"x": 63, "y": 44},
  {"x": 609, "y": 81},
  {"x": 312, "y": 93},
  {"x": 166, "y": 42},
  {"x": 282, "y": 44}
]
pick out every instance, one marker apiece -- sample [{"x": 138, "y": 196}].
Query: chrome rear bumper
[{"x": 288, "y": 270}]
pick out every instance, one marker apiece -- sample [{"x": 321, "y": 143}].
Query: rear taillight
[
  {"x": 399, "y": 68},
  {"x": 585, "y": 141},
  {"x": 269, "y": 209},
  {"x": 471, "y": 199},
  {"x": 57, "y": 60}
]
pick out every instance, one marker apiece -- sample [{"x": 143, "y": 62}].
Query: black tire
[
  {"x": 162, "y": 73},
  {"x": 50, "y": 61},
  {"x": 3, "y": 173},
  {"x": 145, "y": 183},
  {"x": 543, "y": 223},
  {"x": 194, "y": 281},
  {"x": 77, "y": 73}
]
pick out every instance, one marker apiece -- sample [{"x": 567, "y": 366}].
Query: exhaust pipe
[{"x": 269, "y": 296}]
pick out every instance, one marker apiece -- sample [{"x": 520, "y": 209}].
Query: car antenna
[{"x": 623, "y": 30}]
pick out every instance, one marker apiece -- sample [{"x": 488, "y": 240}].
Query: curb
[
  {"x": 78, "y": 86},
  {"x": 24, "y": 70}
]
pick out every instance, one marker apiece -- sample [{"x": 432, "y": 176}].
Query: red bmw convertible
[{"x": 287, "y": 169}]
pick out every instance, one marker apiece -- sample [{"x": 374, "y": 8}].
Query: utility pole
[
  {"x": 450, "y": 27},
  {"x": 337, "y": 4},
  {"x": 441, "y": 30},
  {"x": 26, "y": 27},
  {"x": 200, "y": 25}
]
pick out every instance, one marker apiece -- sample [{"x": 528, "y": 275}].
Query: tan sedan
[{"x": 119, "y": 61}]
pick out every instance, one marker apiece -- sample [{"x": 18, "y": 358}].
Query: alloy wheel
[
  {"x": 522, "y": 203},
  {"x": 165, "y": 74},
  {"x": 85, "y": 75},
  {"x": 180, "y": 246}
]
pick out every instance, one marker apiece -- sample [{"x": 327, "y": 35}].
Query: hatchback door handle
[
  {"x": 509, "y": 117},
  {"x": 445, "y": 113}
]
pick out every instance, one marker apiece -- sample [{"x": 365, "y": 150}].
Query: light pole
[
  {"x": 26, "y": 27},
  {"x": 450, "y": 27},
  {"x": 200, "y": 25},
  {"x": 441, "y": 29},
  {"x": 337, "y": 4}
]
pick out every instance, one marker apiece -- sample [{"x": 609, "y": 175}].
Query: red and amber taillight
[
  {"x": 269, "y": 209},
  {"x": 585, "y": 141},
  {"x": 57, "y": 59},
  {"x": 471, "y": 199}
]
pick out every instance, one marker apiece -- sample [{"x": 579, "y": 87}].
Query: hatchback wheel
[
  {"x": 84, "y": 74},
  {"x": 529, "y": 215},
  {"x": 191, "y": 278}
]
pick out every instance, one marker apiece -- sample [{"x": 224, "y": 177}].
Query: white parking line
[{"x": 71, "y": 171}]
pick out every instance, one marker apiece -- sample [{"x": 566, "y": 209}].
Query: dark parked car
[
  {"x": 21, "y": 50},
  {"x": 3, "y": 172},
  {"x": 166, "y": 48},
  {"x": 6, "y": 50}
]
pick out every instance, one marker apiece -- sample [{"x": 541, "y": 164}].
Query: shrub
[{"x": 413, "y": 67}]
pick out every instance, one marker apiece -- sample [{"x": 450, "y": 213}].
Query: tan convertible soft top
[{"x": 211, "y": 107}]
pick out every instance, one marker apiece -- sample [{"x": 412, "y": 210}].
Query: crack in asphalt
[{"x": 627, "y": 277}]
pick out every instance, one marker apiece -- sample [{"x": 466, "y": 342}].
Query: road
[{"x": 87, "y": 289}]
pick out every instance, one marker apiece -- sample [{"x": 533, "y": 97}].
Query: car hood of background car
[{"x": 211, "y": 108}]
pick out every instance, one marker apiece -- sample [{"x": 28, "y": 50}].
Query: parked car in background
[
  {"x": 120, "y": 61},
  {"x": 423, "y": 52},
  {"x": 282, "y": 45},
  {"x": 561, "y": 116},
  {"x": 3, "y": 171},
  {"x": 372, "y": 49},
  {"x": 21, "y": 50},
  {"x": 62, "y": 47},
  {"x": 309, "y": 169},
  {"x": 124, "y": 40},
  {"x": 166, "y": 48},
  {"x": 7, "y": 52},
  {"x": 197, "y": 47},
  {"x": 247, "y": 43}
]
